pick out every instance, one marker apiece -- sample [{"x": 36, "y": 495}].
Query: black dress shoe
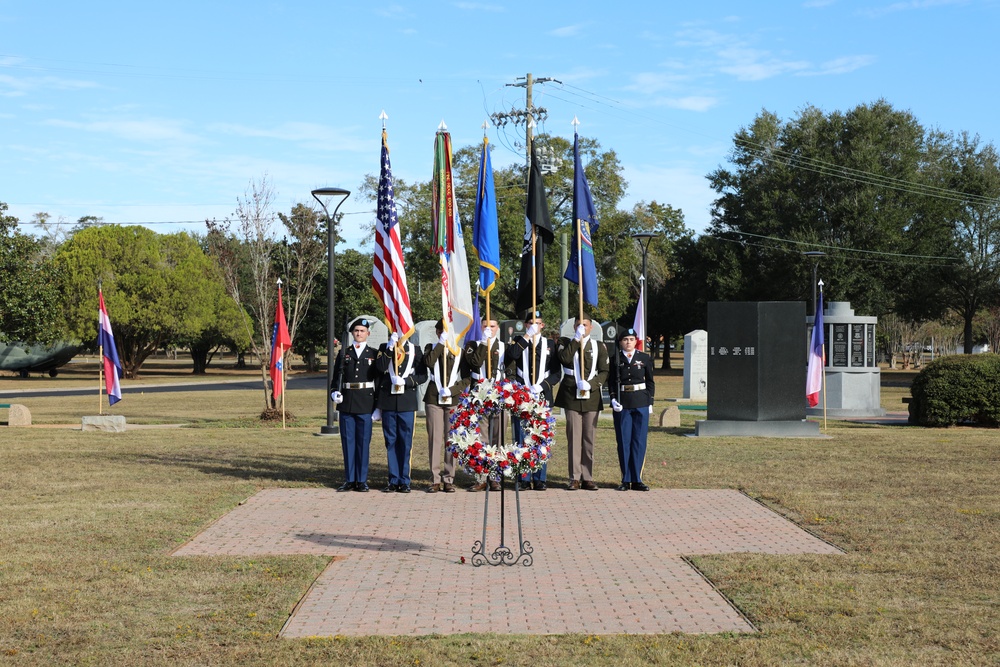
[
  {"x": 639, "y": 486},
  {"x": 346, "y": 486},
  {"x": 402, "y": 488},
  {"x": 361, "y": 486},
  {"x": 622, "y": 487},
  {"x": 540, "y": 486},
  {"x": 392, "y": 488}
]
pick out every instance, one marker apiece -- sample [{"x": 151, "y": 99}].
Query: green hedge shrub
[{"x": 959, "y": 389}]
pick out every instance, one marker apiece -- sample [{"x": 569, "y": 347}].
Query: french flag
[
  {"x": 817, "y": 361},
  {"x": 112, "y": 367}
]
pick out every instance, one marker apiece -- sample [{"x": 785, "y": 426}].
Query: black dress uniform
[
  {"x": 630, "y": 384},
  {"x": 533, "y": 363},
  {"x": 354, "y": 376},
  {"x": 397, "y": 400}
]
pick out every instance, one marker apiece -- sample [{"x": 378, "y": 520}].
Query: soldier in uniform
[
  {"x": 585, "y": 368},
  {"x": 630, "y": 384},
  {"x": 475, "y": 356},
  {"x": 533, "y": 362},
  {"x": 448, "y": 379},
  {"x": 397, "y": 401},
  {"x": 353, "y": 391}
]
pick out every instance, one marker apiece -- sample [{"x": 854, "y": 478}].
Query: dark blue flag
[{"x": 585, "y": 220}]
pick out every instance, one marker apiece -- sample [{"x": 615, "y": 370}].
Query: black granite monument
[{"x": 757, "y": 370}]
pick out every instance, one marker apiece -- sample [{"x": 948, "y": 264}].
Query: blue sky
[{"x": 162, "y": 113}]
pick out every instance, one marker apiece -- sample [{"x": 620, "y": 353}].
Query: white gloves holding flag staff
[
  {"x": 580, "y": 332},
  {"x": 394, "y": 338},
  {"x": 487, "y": 332},
  {"x": 336, "y": 397},
  {"x": 583, "y": 385},
  {"x": 399, "y": 381},
  {"x": 443, "y": 339},
  {"x": 532, "y": 331},
  {"x": 537, "y": 389}
]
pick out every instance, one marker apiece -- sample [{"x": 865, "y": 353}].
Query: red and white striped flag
[{"x": 388, "y": 272}]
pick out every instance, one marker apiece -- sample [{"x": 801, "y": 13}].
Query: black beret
[{"x": 627, "y": 332}]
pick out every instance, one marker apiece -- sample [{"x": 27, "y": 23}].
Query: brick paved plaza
[{"x": 604, "y": 562}]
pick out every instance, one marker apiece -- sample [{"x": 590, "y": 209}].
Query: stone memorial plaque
[
  {"x": 857, "y": 345},
  {"x": 871, "y": 345},
  {"x": 838, "y": 355}
]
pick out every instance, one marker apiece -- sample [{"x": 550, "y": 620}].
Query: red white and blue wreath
[{"x": 484, "y": 400}]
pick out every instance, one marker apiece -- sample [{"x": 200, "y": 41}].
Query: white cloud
[
  {"x": 317, "y": 136},
  {"x": 150, "y": 130},
  {"x": 567, "y": 31},
  {"x": 689, "y": 103},
  {"x": 909, "y": 5},
  {"x": 480, "y": 7},
  {"x": 843, "y": 65},
  {"x": 654, "y": 82},
  {"x": 748, "y": 64}
]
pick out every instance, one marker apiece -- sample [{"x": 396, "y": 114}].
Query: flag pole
[
  {"x": 579, "y": 231},
  {"x": 489, "y": 342},
  {"x": 823, "y": 357},
  {"x": 579, "y": 264},
  {"x": 281, "y": 353},
  {"x": 100, "y": 357}
]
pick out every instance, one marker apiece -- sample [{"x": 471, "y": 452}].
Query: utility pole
[{"x": 529, "y": 116}]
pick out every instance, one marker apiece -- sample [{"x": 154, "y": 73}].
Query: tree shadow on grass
[{"x": 301, "y": 469}]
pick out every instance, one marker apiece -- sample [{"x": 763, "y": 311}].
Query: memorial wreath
[{"x": 484, "y": 400}]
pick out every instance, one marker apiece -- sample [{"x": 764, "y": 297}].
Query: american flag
[{"x": 388, "y": 273}]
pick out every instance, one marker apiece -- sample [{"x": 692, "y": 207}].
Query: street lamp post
[
  {"x": 644, "y": 239},
  {"x": 815, "y": 256},
  {"x": 325, "y": 197}
]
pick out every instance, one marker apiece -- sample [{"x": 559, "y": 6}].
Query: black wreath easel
[{"x": 502, "y": 554}]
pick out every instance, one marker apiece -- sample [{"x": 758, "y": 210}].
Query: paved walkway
[{"x": 604, "y": 562}]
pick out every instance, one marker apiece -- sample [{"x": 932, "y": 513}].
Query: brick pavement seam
[
  {"x": 735, "y": 607},
  {"x": 778, "y": 509},
  {"x": 173, "y": 552}
]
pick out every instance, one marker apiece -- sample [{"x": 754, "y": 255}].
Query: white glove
[
  {"x": 616, "y": 406},
  {"x": 377, "y": 415},
  {"x": 443, "y": 339},
  {"x": 580, "y": 331},
  {"x": 537, "y": 389},
  {"x": 532, "y": 331},
  {"x": 445, "y": 392},
  {"x": 399, "y": 382},
  {"x": 651, "y": 409},
  {"x": 394, "y": 338},
  {"x": 584, "y": 385},
  {"x": 337, "y": 397},
  {"x": 487, "y": 332}
]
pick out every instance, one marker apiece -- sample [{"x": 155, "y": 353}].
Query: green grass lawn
[{"x": 89, "y": 520}]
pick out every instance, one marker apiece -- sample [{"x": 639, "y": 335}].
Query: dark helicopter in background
[{"x": 25, "y": 359}]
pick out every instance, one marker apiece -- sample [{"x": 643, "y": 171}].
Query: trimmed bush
[{"x": 959, "y": 389}]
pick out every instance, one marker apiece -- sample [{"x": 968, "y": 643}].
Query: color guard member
[
  {"x": 353, "y": 391},
  {"x": 630, "y": 383}
]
